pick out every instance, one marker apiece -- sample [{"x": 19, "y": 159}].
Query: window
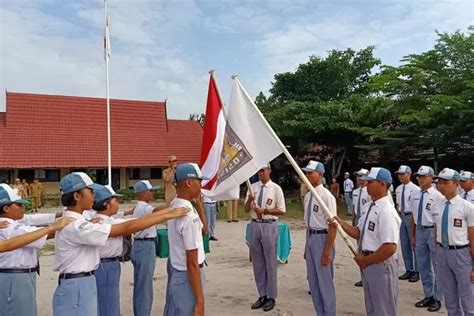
[
  {"x": 44, "y": 175},
  {"x": 4, "y": 176},
  {"x": 156, "y": 173},
  {"x": 144, "y": 173}
]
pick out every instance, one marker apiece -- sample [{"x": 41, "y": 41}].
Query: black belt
[
  {"x": 454, "y": 247},
  {"x": 426, "y": 227},
  {"x": 75, "y": 275},
  {"x": 210, "y": 202},
  {"x": 109, "y": 259},
  {"x": 367, "y": 252},
  {"x": 148, "y": 238},
  {"x": 266, "y": 221},
  {"x": 201, "y": 265},
  {"x": 14, "y": 270},
  {"x": 407, "y": 213},
  {"x": 317, "y": 231}
]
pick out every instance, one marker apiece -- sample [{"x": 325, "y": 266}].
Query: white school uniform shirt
[
  {"x": 318, "y": 219},
  {"x": 382, "y": 224},
  {"x": 77, "y": 245},
  {"x": 185, "y": 233},
  {"x": 38, "y": 219},
  {"x": 460, "y": 217},
  {"x": 272, "y": 198},
  {"x": 364, "y": 197},
  {"x": 22, "y": 258},
  {"x": 142, "y": 209},
  {"x": 430, "y": 199},
  {"x": 348, "y": 185},
  {"x": 410, "y": 188},
  {"x": 114, "y": 245},
  {"x": 470, "y": 196}
]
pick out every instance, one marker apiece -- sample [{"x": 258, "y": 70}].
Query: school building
[{"x": 48, "y": 136}]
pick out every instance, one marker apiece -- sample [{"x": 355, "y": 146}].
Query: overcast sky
[{"x": 164, "y": 49}]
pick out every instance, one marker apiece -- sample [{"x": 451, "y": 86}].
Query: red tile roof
[{"x": 51, "y": 131}]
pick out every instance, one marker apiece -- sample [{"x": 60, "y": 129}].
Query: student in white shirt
[
  {"x": 185, "y": 294},
  {"x": 378, "y": 235},
  {"x": 19, "y": 266},
  {"x": 78, "y": 245},
  {"x": 467, "y": 183}
]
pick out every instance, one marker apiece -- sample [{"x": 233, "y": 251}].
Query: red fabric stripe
[
  {"x": 213, "y": 109},
  {"x": 211, "y": 182}
]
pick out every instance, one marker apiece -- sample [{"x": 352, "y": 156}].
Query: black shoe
[
  {"x": 424, "y": 302},
  {"x": 414, "y": 277},
  {"x": 229, "y": 221},
  {"x": 269, "y": 304},
  {"x": 405, "y": 276},
  {"x": 213, "y": 238},
  {"x": 259, "y": 303},
  {"x": 434, "y": 306},
  {"x": 358, "y": 284},
  {"x": 235, "y": 220},
  {"x": 309, "y": 292}
]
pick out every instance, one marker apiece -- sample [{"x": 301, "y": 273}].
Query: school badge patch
[
  {"x": 371, "y": 226},
  {"x": 457, "y": 222}
]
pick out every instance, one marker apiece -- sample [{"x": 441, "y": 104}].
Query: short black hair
[
  {"x": 100, "y": 206},
  {"x": 68, "y": 199}
]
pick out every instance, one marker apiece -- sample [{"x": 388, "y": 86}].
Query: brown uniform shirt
[
  {"x": 170, "y": 189},
  {"x": 36, "y": 189}
]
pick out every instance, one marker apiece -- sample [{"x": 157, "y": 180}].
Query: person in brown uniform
[
  {"x": 168, "y": 179},
  {"x": 36, "y": 192},
  {"x": 26, "y": 188}
]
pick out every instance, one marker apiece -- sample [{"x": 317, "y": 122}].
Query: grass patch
[{"x": 294, "y": 210}]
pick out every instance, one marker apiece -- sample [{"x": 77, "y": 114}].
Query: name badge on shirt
[
  {"x": 196, "y": 220},
  {"x": 457, "y": 222},
  {"x": 315, "y": 208},
  {"x": 83, "y": 225},
  {"x": 371, "y": 226},
  {"x": 428, "y": 206},
  {"x": 269, "y": 201}
]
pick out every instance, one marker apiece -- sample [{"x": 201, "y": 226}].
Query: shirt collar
[
  {"x": 381, "y": 200},
  {"x": 454, "y": 199},
  {"x": 9, "y": 220},
  {"x": 266, "y": 185},
  {"x": 186, "y": 202},
  {"x": 73, "y": 214},
  {"x": 101, "y": 215}
]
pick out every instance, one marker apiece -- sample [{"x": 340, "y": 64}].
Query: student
[
  {"x": 18, "y": 268},
  {"x": 77, "y": 253},
  {"x": 185, "y": 295}
]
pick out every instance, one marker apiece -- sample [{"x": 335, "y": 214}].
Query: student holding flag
[
  {"x": 378, "y": 234},
  {"x": 320, "y": 237}
]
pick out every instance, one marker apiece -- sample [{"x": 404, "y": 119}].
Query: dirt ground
[{"x": 230, "y": 287}]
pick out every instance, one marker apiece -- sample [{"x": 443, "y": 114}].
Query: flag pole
[
  {"x": 106, "y": 45},
  {"x": 297, "y": 168},
  {"x": 211, "y": 72}
]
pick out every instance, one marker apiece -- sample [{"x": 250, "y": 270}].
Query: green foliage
[{"x": 423, "y": 108}]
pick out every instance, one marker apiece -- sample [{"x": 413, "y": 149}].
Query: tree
[
  {"x": 320, "y": 103},
  {"x": 201, "y": 118}
]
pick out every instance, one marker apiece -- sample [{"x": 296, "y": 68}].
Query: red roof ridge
[{"x": 28, "y": 94}]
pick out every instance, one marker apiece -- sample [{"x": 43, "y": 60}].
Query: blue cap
[
  {"x": 76, "y": 181},
  {"x": 9, "y": 195},
  {"x": 425, "y": 171},
  {"x": 145, "y": 185},
  {"x": 189, "y": 171},
  {"x": 103, "y": 192},
  {"x": 449, "y": 174},
  {"x": 379, "y": 174},
  {"x": 314, "y": 166},
  {"x": 403, "y": 169}
]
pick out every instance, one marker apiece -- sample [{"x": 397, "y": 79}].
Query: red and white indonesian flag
[
  {"x": 245, "y": 145},
  {"x": 213, "y": 137}
]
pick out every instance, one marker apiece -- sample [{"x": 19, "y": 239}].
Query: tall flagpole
[
  {"x": 107, "y": 53},
  {"x": 295, "y": 166}
]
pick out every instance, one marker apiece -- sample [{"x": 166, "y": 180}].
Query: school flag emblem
[{"x": 247, "y": 144}]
